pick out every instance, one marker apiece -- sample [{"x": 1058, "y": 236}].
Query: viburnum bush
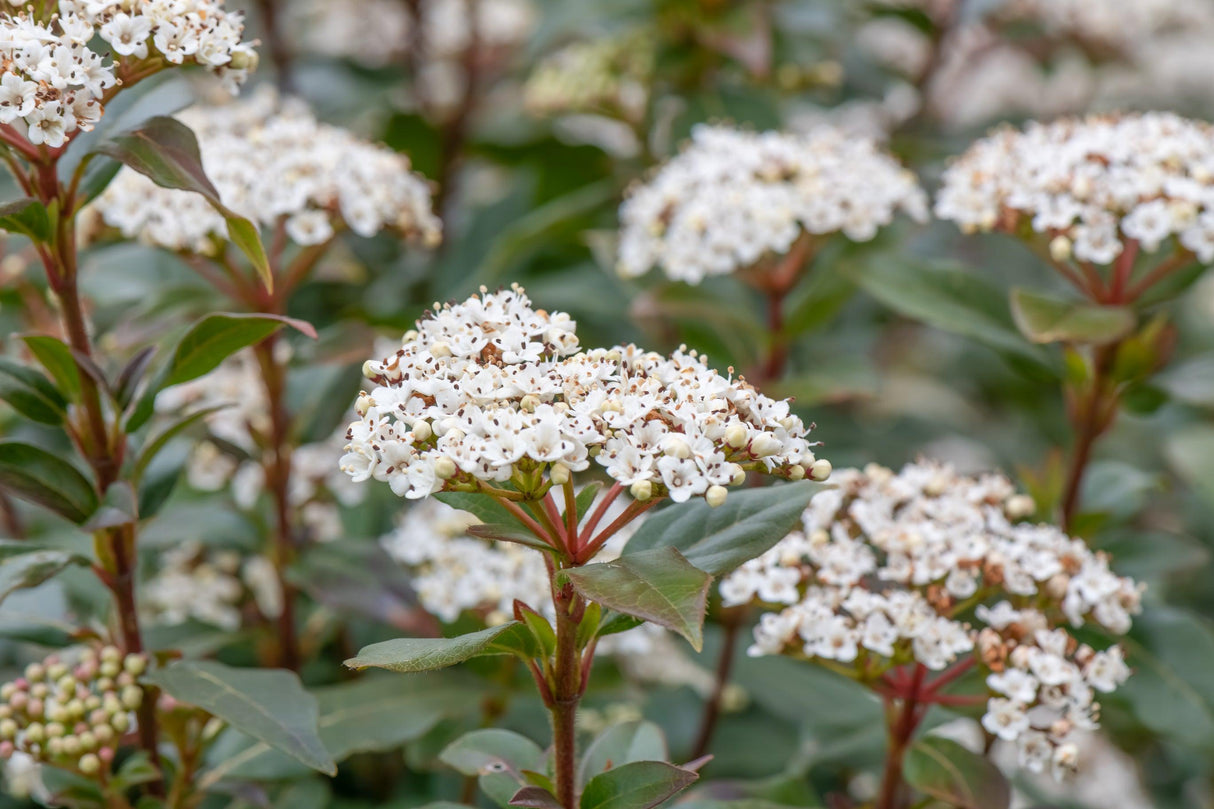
[{"x": 333, "y": 472}]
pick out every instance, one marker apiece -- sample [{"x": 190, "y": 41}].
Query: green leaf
[
  {"x": 370, "y": 715},
  {"x": 717, "y": 540},
  {"x": 204, "y": 346},
  {"x": 118, "y": 507},
  {"x": 637, "y": 785},
  {"x": 27, "y": 217},
  {"x": 41, "y": 477},
  {"x": 158, "y": 442},
  {"x": 493, "y": 750},
  {"x": 658, "y": 585},
  {"x": 1171, "y": 691},
  {"x": 585, "y": 498},
  {"x": 57, "y": 359},
  {"x": 509, "y": 533},
  {"x": 31, "y": 394},
  {"x": 947, "y": 297},
  {"x": 484, "y": 508},
  {"x": 216, "y": 337},
  {"x": 538, "y": 626},
  {"x": 1191, "y": 453},
  {"x": 622, "y": 744},
  {"x": 945, "y": 770},
  {"x": 132, "y": 374},
  {"x": 427, "y": 654},
  {"x": 1048, "y": 320},
  {"x": 165, "y": 151},
  {"x": 268, "y": 704},
  {"x": 534, "y": 797},
  {"x": 23, "y": 566}
]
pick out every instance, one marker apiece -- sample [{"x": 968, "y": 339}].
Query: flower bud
[
  {"x": 421, "y": 430},
  {"x": 676, "y": 446},
  {"x": 110, "y": 668},
  {"x": 737, "y": 475},
  {"x": 642, "y": 490},
  {"x": 56, "y": 671},
  {"x": 558, "y": 473},
  {"x": 111, "y": 653},
  {"x": 796, "y": 472},
  {"x": 1060, "y": 248},
  {"x": 764, "y": 445},
  {"x": 35, "y": 733},
  {"x": 736, "y": 435},
  {"x": 132, "y": 696},
  {"x": 8, "y": 729},
  {"x": 444, "y": 468},
  {"x": 120, "y": 723},
  {"x": 55, "y": 747},
  {"x": 821, "y": 469},
  {"x": 529, "y": 403},
  {"x": 88, "y": 741},
  {"x": 71, "y": 745},
  {"x": 716, "y": 495},
  {"x": 34, "y": 672},
  {"x": 1020, "y": 506},
  {"x": 89, "y": 764},
  {"x": 244, "y": 60},
  {"x": 104, "y": 734},
  {"x": 440, "y": 350},
  {"x": 6, "y": 750},
  {"x": 54, "y": 730}
]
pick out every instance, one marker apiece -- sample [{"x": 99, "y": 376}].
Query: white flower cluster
[
  {"x": 926, "y": 566},
  {"x": 608, "y": 76},
  {"x": 454, "y": 572},
  {"x": 1091, "y": 184},
  {"x": 733, "y": 197},
  {"x": 491, "y": 390},
  {"x": 231, "y": 458},
  {"x": 71, "y": 715},
  {"x": 191, "y": 583},
  {"x": 1106, "y": 24},
  {"x": 55, "y": 84},
  {"x": 274, "y": 162}
]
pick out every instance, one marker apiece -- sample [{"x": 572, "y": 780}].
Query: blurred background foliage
[{"x": 899, "y": 347}]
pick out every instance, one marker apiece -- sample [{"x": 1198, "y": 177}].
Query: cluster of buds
[
  {"x": 72, "y": 716},
  {"x": 605, "y": 77},
  {"x": 492, "y": 391},
  {"x": 930, "y": 569}
]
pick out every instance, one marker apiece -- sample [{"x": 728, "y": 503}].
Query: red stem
[{"x": 597, "y": 515}]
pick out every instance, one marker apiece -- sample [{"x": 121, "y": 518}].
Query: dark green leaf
[
  {"x": 23, "y": 566},
  {"x": 165, "y": 150},
  {"x": 484, "y": 508},
  {"x": 622, "y": 744},
  {"x": 951, "y": 298},
  {"x": 534, "y": 797},
  {"x": 1048, "y": 320},
  {"x": 538, "y": 626},
  {"x": 216, "y": 337},
  {"x": 31, "y": 394},
  {"x": 370, "y": 715},
  {"x": 493, "y": 750},
  {"x": 158, "y": 442},
  {"x": 132, "y": 374},
  {"x": 41, "y": 477},
  {"x": 509, "y": 533},
  {"x": 719, "y": 539},
  {"x": 27, "y": 217},
  {"x": 118, "y": 507},
  {"x": 658, "y": 585},
  {"x": 638, "y": 785},
  {"x": 268, "y": 704},
  {"x": 426, "y": 654},
  {"x": 58, "y": 361},
  {"x": 945, "y": 770},
  {"x": 585, "y": 498}
]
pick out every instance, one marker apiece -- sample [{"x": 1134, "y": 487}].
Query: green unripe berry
[
  {"x": 89, "y": 764},
  {"x": 132, "y": 696},
  {"x": 8, "y": 729}
]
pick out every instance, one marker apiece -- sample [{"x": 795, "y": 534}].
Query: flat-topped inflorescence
[
  {"x": 54, "y": 83},
  {"x": 272, "y": 161},
  {"x": 491, "y": 391},
  {"x": 1090, "y": 185},
  {"x": 733, "y": 198},
  {"x": 927, "y": 567}
]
